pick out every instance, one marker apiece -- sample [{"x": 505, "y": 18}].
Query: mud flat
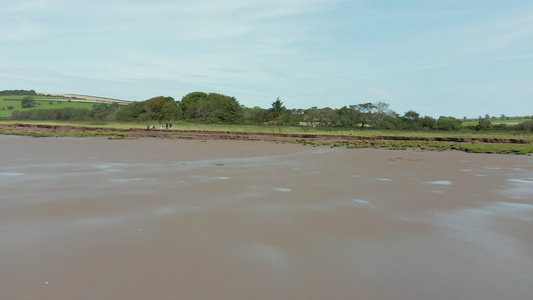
[{"x": 188, "y": 219}]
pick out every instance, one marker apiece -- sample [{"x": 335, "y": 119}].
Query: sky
[{"x": 460, "y": 58}]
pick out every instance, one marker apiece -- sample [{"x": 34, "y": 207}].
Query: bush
[
  {"x": 526, "y": 126},
  {"x": 27, "y": 102},
  {"x": 448, "y": 123}
]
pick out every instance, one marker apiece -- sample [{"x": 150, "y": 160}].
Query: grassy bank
[
  {"x": 91, "y": 133},
  {"x": 429, "y": 146},
  {"x": 292, "y": 130},
  {"x": 473, "y": 147}
]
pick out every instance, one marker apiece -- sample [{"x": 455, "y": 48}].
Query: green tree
[
  {"x": 187, "y": 108},
  {"x": 129, "y": 112},
  {"x": 427, "y": 122},
  {"x": 159, "y": 108},
  {"x": 254, "y": 115},
  {"x": 484, "y": 124},
  {"x": 210, "y": 108},
  {"x": 348, "y": 117},
  {"x": 27, "y": 102},
  {"x": 448, "y": 123},
  {"x": 366, "y": 110},
  {"x": 276, "y": 110},
  {"x": 311, "y": 116}
]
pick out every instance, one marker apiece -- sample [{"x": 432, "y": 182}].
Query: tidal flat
[{"x": 92, "y": 218}]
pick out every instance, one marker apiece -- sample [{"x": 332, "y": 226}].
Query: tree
[
  {"x": 254, "y": 115},
  {"x": 311, "y": 116},
  {"x": 326, "y": 116},
  {"x": 210, "y": 108},
  {"x": 410, "y": 120},
  {"x": 27, "y": 102},
  {"x": 17, "y": 92},
  {"x": 129, "y": 112},
  {"x": 276, "y": 110},
  {"x": 427, "y": 122},
  {"x": 348, "y": 117},
  {"x": 187, "y": 108},
  {"x": 159, "y": 108},
  {"x": 484, "y": 124},
  {"x": 382, "y": 115},
  {"x": 448, "y": 123},
  {"x": 277, "y": 106},
  {"x": 102, "y": 111},
  {"x": 366, "y": 110},
  {"x": 411, "y": 115}
]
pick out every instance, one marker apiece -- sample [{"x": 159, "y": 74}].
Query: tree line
[
  {"x": 213, "y": 108},
  {"x": 17, "y": 92}
]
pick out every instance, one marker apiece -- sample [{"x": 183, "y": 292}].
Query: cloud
[
  {"x": 32, "y": 5},
  {"x": 21, "y": 31},
  {"x": 235, "y": 8},
  {"x": 515, "y": 57}
]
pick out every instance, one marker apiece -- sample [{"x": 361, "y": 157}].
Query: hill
[
  {"x": 12, "y": 101},
  {"x": 84, "y": 98}
]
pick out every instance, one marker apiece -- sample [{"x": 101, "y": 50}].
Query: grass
[
  {"x": 95, "y": 133},
  {"x": 429, "y": 146},
  {"x": 364, "y": 133},
  {"x": 496, "y": 121},
  {"x": 41, "y": 102},
  {"x": 478, "y": 147}
]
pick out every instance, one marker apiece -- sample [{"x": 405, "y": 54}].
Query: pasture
[{"x": 10, "y": 103}]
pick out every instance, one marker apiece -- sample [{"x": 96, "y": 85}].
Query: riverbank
[{"x": 397, "y": 142}]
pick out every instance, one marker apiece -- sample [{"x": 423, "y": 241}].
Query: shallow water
[{"x": 179, "y": 219}]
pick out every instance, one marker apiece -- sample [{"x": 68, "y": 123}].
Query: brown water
[{"x": 178, "y": 219}]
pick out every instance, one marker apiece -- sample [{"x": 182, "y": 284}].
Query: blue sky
[{"x": 452, "y": 58}]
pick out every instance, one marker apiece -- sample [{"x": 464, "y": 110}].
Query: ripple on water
[
  {"x": 525, "y": 180},
  {"x": 441, "y": 182},
  {"x": 282, "y": 189},
  {"x": 9, "y": 174},
  {"x": 522, "y": 188},
  {"x": 119, "y": 180}
]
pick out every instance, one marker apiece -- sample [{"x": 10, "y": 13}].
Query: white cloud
[
  {"x": 31, "y": 5},
  {"x": 21, "y": 31}
]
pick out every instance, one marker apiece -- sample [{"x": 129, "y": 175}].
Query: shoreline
[{"x": 476, "y": 145}]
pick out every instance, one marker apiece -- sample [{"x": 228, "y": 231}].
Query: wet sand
[{"x": 187, "y": 219}]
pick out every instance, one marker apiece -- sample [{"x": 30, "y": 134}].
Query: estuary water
[{"x": 186, "y": 219}]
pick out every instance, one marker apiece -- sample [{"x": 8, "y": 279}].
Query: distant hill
[
  {"x": 85, "y": 98},
  {"x": 11, "y": 101}
]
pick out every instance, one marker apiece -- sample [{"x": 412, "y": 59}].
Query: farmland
[{"x": 10, "y": 103}]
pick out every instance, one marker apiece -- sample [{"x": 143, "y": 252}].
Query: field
[
  {"x": 10, "y": 103},
  {"x": 496, "y": 121}
]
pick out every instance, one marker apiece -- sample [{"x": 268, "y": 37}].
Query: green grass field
[
  {"x": 497, "y": 121},
  {"x": 42, "y": 102}
]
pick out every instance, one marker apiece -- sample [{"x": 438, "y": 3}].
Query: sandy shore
[{"x": 218, "y": 219}]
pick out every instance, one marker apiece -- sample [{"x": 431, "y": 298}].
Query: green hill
[{"x": 12, "y": 100}]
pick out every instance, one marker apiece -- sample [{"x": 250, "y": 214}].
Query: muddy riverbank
[{"x": 249, "y": 136}]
